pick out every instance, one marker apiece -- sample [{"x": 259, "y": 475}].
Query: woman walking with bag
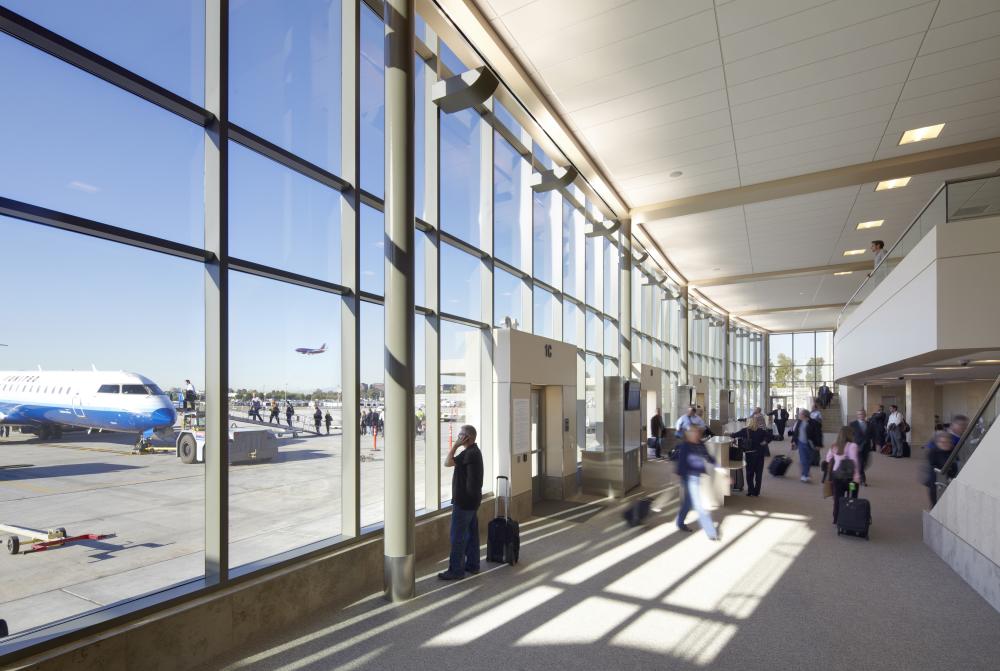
[
  {"x": 692, "y": 461},
  {"x": 842, "y": 471},
  {"x": 757, "y": 439}
]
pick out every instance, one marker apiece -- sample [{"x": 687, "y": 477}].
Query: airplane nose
[{"x": 164, "y": 417}]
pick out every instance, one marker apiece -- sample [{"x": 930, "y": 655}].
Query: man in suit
[
  {"x": 806, "y": 437},
  {"x": 780, "y": 417},
  {"x": 825, "y": 396},
  {"x": 864, "y": 436}
]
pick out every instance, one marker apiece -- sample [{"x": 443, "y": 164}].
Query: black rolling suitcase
[
  {"x": 779, "y": 465},
  {"x": 503, "y": 535},
  {"x": 854, "y": 517},
  {"x": 637, "y": 512},
  {"x": 737, "y": 452}
]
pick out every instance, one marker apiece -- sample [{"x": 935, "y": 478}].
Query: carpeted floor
[{"x": 781, "y": 591}]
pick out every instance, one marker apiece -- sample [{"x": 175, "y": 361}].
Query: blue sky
[{"x": 75, "y": 143}]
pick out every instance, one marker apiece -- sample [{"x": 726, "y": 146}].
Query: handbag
[{"x": 827, "y": 488}]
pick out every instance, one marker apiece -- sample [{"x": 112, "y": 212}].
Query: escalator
[{"x": 979, "y": 426}]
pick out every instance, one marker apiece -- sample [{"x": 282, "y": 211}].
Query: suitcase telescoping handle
[{"x": 497, "y": 497}]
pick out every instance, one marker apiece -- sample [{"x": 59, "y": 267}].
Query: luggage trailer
[{"x": 40, "y": 540}]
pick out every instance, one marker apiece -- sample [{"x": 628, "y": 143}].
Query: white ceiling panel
[
  {"x": 667, "y": 164},
  {"x": 824, "y": 92},
  {"x": 621, "y": 83},
  {"x": 733, "y": 93},
  {"x": 740, "y": 15},
  {"x": 679, "y": 89},
  {"x": 638, "y": 123},
  {"x": 647, "y": 47},
  {"x": 886, "y": 40}
]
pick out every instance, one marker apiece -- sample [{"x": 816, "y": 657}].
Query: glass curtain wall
[
  {"x": 256, "y": 247},
  {"x": 799, "y": 364},
  {"x": 707, "y": 353},
  {"x": 745, "y": 352},
  {"x": 657, "y": 329}
]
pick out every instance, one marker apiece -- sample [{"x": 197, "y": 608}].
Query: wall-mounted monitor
[{"x": 631, "y": 396}]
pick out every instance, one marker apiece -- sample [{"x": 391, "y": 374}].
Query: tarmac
[{"x": 154, "y": 506}]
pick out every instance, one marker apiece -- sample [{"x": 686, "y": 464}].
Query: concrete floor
[
  {"x": 782, "y": 591},
  {"x": 154, "y": 505}
]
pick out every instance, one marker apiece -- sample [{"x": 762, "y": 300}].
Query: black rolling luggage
[
  {"x": 637, "y": 512},
  {"x": 779, "y": 465},
  {"x": 503, "y": 535},
  {"x": 854, "y": 517}
]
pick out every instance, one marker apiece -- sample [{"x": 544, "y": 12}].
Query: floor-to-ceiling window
[
  {"x": 800, "y": 363},
  {"x": 186, "y": 241}
]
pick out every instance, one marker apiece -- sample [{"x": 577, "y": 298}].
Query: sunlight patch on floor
[
  {"x": 725, "y": 574},
  {"x": 760, "y": 579},
  {"x": 591, "y": 568},
  {"x": 495, "y": 618},
  {"x": 583, "y": 624},
  {"x": 662, "y": 572},
  {"x": 686, "y": 637}
]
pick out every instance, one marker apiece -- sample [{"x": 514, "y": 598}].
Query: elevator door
[{"x": 537, "y": 445}]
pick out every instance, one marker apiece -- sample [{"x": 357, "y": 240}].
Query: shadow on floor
[{"x": 595, "y": 594}]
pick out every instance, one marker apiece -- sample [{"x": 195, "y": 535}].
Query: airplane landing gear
[{"x": 142, "y": 445}]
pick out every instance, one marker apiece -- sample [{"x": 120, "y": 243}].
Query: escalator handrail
[{"x": 954, "y": 456}]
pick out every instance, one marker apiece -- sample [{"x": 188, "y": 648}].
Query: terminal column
[
  {"x": 920, "y": 410},
  {"x": 400, "y": 431}
]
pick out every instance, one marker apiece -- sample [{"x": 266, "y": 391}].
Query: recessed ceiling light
[
  {"x": 870, "y": 224},
  {"x": 920, "y": 134},
  {"x": 987, "y": 361},
  {"x": 676, "y": 173},
  {"x": 854, "y": 252},
  {"x": 897, "y": 183},
  {"x": 844, "y": 272},
  {"x": 950, "y": 368},
  {"x": 912, "y": 374}
]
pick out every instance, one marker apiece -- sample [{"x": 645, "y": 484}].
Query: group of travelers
[
  {"x": 318, "y": 418},
  {"x": 372, "y": 422}
]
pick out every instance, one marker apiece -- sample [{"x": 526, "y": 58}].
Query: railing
[
  {"x": 955, "y": 200},
  {"x": 967, "y": 444}
]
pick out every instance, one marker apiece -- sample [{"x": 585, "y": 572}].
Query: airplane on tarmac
[
  {"x": 311, "y": 350},
  {"x": 47, "y": 402}
]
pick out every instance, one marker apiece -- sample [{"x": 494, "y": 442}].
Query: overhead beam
[
  {"x": 918, "y": 163},
  {"x": 797, "y": 308},
  {"x": 857, "y": 266}
]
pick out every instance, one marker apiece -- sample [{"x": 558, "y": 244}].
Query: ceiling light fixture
[
  {"x": 854, "y": 252},
  {"x": 950, "y": 368},
  {"x": 986, "y": 361},
  {"x": 676, "y": 173},
  {"x": 870, "y": 224},
  {"x": 897, "y": 183},
  {"x": 921, "y": 134},
  {"x": 844, "y": 272}
]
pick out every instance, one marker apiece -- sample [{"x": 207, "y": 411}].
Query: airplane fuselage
[{"x": 103, "y": 400}]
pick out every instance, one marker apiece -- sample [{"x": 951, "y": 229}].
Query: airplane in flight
[
  {"x": 48, "y": 402},
  {"x": 311, "y": 350}
]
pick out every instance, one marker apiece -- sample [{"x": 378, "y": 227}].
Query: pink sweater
[{"x": 850, "y": 452}]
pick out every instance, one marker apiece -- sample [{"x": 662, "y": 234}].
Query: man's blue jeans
[
  {"x": 464, "y": 541},
  {"x": 805, "y": 457},
  {"x": 692, "y": 499}
]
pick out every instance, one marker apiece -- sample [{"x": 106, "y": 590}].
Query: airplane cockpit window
[
  {"x": 136, "y": 389},
  {"x": 108, "y": 389},
  {"x": 155, "y": 391}
]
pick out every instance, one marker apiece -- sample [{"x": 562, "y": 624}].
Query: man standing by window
[{"x": 466, "y": 495}]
